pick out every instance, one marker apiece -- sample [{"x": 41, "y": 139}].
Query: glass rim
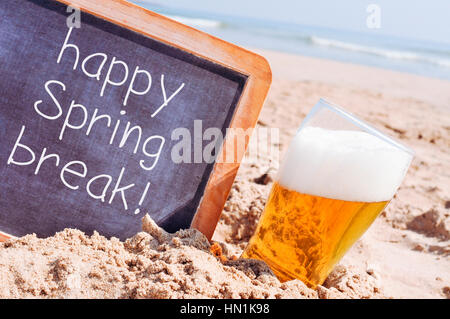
[{"x": 358, "y": 122}]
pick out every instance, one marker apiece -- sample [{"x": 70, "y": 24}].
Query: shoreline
[{"x": 421, "y": 87}]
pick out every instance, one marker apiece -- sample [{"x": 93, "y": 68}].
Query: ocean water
[{"x": 406, "y": 55}]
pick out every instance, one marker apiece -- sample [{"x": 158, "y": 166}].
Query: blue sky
[{"x": 419, "y": 19}]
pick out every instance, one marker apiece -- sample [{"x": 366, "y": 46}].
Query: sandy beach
[{"x": 405, "y": 254}]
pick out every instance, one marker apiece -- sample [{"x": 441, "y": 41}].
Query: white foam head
[{"x": 346, "y": 165}]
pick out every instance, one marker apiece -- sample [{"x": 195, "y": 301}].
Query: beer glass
[{"x": 336, "y": 177}]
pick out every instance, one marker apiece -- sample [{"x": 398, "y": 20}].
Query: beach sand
[{"x": 405, "y": 254}]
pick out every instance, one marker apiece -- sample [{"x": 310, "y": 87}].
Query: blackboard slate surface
[{"x": 32, "y": 34}]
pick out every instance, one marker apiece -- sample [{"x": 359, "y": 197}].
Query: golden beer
[
  {"x": 309, "y": 233},
  {"x": 331, "y": 186}
]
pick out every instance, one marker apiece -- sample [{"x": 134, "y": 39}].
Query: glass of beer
[{"x": 336, "y": 177}]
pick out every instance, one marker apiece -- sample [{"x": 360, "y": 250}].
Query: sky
[{"x": 418, "y": 19}]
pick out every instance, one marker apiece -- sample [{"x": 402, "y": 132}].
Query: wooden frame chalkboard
[{"x": 249, "y": 71}]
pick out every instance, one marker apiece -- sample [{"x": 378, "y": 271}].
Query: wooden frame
[
  {"x": 205, "y": 46},
  {"x": 4, "y": 237}
]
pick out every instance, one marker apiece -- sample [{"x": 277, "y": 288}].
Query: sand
[
  {"x": 405, "y": 254},
  {"x": 152, "y": 264}
]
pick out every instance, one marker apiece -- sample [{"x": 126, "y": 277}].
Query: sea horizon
[{"x": 416, "y": 56}]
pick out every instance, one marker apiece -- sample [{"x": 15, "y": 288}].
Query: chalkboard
[{"x": 87, "y": 117}]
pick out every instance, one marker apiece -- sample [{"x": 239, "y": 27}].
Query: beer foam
[{"x": 346, "y": 165}]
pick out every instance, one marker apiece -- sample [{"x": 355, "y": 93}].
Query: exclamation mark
[{"x": 137, "y": 211}]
